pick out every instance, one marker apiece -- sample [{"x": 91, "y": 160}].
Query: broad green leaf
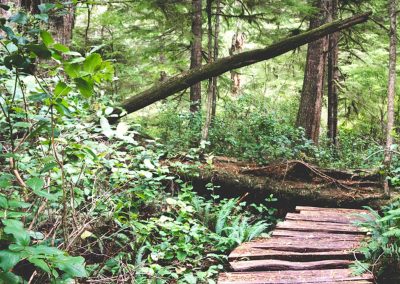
[
  {"x": 48, "y": 167},
  {"x": 73, "y": 266},
  {"x": 46, "y": 38},
  {"x": 46, "y": 7},
  {"x": 45, "y": 250},
  {"x": 40, "y": 263},
  {"x": 14, "y": 60},
  {"x": 190, "y": 278},
  {"x": 92, "y": 62},
  {"x": 19, "y": 18},
  {"x": 47, "y": 195},
  {"x": 61, "y": 48},
  {"x": 13, "y": 203},
  {"x": 11, "y": 47},
  {"x": 42, "y": 17},
  {"x": 38, "y": 97},
  {"x": 35, "y": 183},
  {"x": 85, "y": 87},
  {"x": 40, "y": 50},
  {"x": 12, "y": 214},
  {"x": 5, "y": 181},
  {"x": 16, "y": 228},
  {"x": 8, "y": 259},
  {"x": 22, "y": 124},
  {"x": 72, "y": 70},
  {"x": 3, "y": 202},
  {"x": 9, "y": 278},
  {"x": 61, "y": 89}
]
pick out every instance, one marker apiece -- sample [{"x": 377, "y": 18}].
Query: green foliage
[
  {"x": 83, "y": 199},
  {"x": 382, "y": 249}
]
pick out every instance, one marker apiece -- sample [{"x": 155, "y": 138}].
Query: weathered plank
[
  {"x": 292, "y": 276},
  {"x": 301, "y": 235},
  {"x": 318, "y": 226},
  {"x": 316, "y": 217},
  {"x": 338, "y": 210},
  {"x": 259, "y": 253},
  {"x": 273, "y": 265},
  {"x": 307, "y": 245},
  {"x": 316, "y": 245}
]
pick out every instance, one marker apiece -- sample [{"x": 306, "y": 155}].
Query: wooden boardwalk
[{"x": 314, "y": 245}]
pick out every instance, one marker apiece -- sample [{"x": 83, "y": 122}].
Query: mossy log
[
  {"x": 293, "y": 183},
  {"x": 186, "y": 79}
]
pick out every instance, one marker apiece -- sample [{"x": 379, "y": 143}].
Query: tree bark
[
  {"x": 216, "y": 55},
  {"x": 60, "y": 26},
  {"x": 391, "y": 90},
  {"x": 333, "y": 77},
  {"x": 309, "y": 113},
  {"x": 195, "y": 59},
  {"x": 210, "y": 90},
  {"x": 186, "y": 79},
  {"x": 236, "y": 47}
]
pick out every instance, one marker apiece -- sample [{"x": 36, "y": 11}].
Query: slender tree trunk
[
  {"x": 391, "y": 90},
  {"x": 207, "y": 123},
  {"x": 186, "y": 79},
  {"x": 309, "y": 114},
  {"x": 236, "y": 47},
  {"x": 216, "y": 54},
  {"x": 195, "y": 59},
  {"x": 333, "y": 77}
]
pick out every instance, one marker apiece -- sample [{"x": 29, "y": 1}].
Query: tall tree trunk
[
  {"x": 236, "y": 47},
  {"x": 333, "y": 77},
  {"x": 195, "y": 59},
  {"x": 309, "y": 113},
  {"x": 391, "y": 90},
  {"x": 216, "y": 54},
  {"x": 61, "y": 26},
  {"x": 210, "y": 90}
]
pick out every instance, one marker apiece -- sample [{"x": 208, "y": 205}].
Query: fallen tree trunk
[
  {"x": 186, "y": 79},
  {"x": 292, "y": 182}
]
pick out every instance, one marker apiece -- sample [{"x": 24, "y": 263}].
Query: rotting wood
[{"x": 220, "y": 66}]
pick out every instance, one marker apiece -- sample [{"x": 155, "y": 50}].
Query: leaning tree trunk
[
  {"x": 309, "y": 113},
  {"x": 391, "y": 90},
  {"x": 195, "y": 59},
  {"x": 333, "y": 77},
  {"x": 184, "y": 80}
]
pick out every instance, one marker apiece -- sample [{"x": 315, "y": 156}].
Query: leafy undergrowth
[
  {"x": 382, "y": 249},
  {"x": 85, "y": 200}
]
